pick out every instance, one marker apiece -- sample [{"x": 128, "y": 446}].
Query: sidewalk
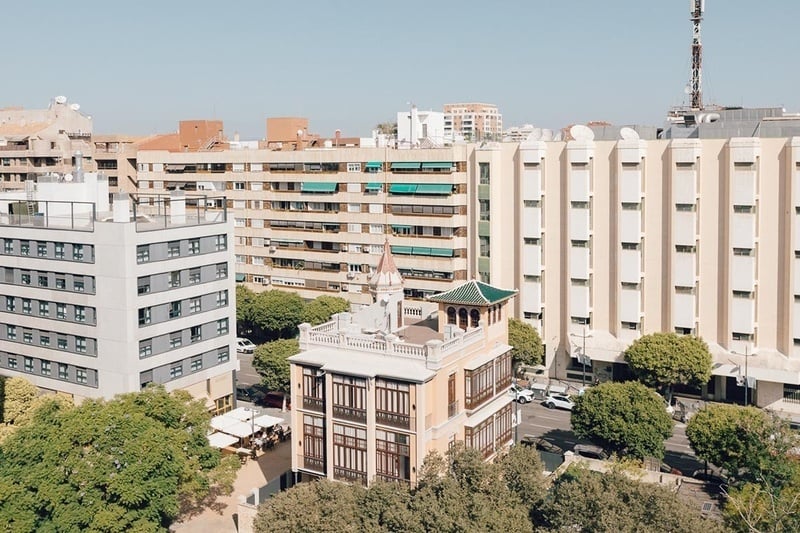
[{"x": 221, "y": 515}]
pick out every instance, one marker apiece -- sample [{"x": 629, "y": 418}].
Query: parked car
[
  {"x": 519, "y": 394},
  {"x": 561, "y": 401},
  {"x": 540, "y": 444},
  {"x": 667, "y": 469},
  {"x": 712, "y": 476},
  {"x": 244, "y": 345},
  {"x": 249, "y": 394},
  {"x": 590, "y": 451},
  {"x": 275, "y": 399}
]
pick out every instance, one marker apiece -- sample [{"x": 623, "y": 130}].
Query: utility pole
[{"x": 583, "y": 353}]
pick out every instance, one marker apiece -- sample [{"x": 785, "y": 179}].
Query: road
[
  {"x": 554, "y": 425},
  {"x": 247, "y": 374}
]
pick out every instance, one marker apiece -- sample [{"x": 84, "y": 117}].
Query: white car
[
  {"x": 244, "y": 345},
  {"x": 561, "y": 401},
  {"x": 519, "y": 394}
]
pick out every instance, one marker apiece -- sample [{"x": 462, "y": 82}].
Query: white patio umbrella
[{"x": 221, "y": 440}]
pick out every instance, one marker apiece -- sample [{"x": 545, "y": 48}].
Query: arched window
[
  {"x": 451, "y": 315},
  {"x": 475, "y": 318},
  {"x": 462, "y": 319}
]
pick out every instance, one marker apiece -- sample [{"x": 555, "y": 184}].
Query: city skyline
[{"x": 352, "y": 67}]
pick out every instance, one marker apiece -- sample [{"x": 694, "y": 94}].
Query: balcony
[
  {"x": 350, "y": 413},
  {"x": 313, "y": 404},
  {"x": 353, "y": 476},
  {"x": 316, "y": 464},
  {"x": 396, "y": 420}
]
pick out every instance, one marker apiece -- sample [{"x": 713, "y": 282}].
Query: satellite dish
[
  {"x": 61, "y": 99},
  {"x": 579, "y": 132},
  {"x": 547, "y": 135},
  {"x": 535, "y": 135},
  {"x": 628, "y": 134},
  {"x": 67, "y": 177},
  {"x": 75, "y": 107}
]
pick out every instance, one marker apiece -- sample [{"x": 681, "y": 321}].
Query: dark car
[
  {"x": 540, "y": 444},
  {"x": 590, "y": 451},
  {"x": 275, "y": 399},
  {"x": 249, "y": 394},
  {"x": 667, "y": 469}
]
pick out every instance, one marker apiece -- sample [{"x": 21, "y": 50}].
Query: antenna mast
[{"x": 697, "y": 7}]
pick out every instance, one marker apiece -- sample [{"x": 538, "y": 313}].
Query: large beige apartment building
[
  {"x": 472, "y": 122},
  {"x": 376, "y": 390}
]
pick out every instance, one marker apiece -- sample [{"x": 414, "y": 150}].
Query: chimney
[{"x": 338, "y": 136}]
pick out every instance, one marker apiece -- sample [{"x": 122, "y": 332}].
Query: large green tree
[
  {"x": 245, "y": 300},
  {"x": 270, "y": 361},
  {"x": 18, "y": 397},
  {"x": 626, "y": 418},
  {"x": 750, "y": 444},
  {"x": 320, "y": 310},
  {"x": 526, "y": 342},
  {"x": 585, "y": 501},
  {"x": 761, "y": 507},
  {"x": 130, "y": 464},
  {"x": 277, "y": 313},
  {"x": 663, "y": 360}
]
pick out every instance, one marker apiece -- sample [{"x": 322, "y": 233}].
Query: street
[
  {"x": 247, "y": 375},
  {"x": 554, "y": 425}
]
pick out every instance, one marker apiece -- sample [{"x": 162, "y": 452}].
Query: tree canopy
[
  {"x": 129, "y": 464},
  {"x": 626, "y": 418},
  {"x": 270, "y": 361},
  {"x": 17, "y": 398},
  {"x": 663, "y": 360},
  {"x": 319, "y": 310},
  {"x": 526, "y": 342}
]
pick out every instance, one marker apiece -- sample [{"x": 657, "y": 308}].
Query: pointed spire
[{"x": 386, "y": 276}]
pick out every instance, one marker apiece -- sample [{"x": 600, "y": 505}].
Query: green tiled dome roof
[{"x": 473, "y": 293}]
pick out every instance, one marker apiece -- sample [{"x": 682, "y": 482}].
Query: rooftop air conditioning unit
[
  {"x": 351, "y": 275},
  {"x": 272, "y": 249}
]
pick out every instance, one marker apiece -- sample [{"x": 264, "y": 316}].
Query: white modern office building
[{"x": 102, "y": 298}]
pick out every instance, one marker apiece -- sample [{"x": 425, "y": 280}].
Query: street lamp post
[
  {"x": 583, "y": 353},
  {"x": 746, "y": 355}
]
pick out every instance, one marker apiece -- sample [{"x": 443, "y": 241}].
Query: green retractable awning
[
  {"x": 420, "y": 250},
  {"x": 240, "y": 277},
  {"x": 400, "y": 226},
  {"x": 437, "y": 164},
  {"x": 434, "y": 188},
  {"x": 318, "y": 186},
  {"x": 405, "y": 165},
  {"x": 403, "y": 188},
  {"x": 374, "y": 164},
  {"x": 373, "y": 186},
  {"x": 401, "y": 250},
  {"x": 442, "y": 252}
]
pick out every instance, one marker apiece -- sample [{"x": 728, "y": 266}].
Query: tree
[
  {"x": 626, "y": 418},
  {"x": 586, "y": 501},
  {"x": 18, "y": 396},
  {"x": 526, "y": 342},
  {"x": 749, "y": 443},
  {"x": 387, "y": 128},
  {"x": 663, "y": 360},
  {"x": 245, "y": 301},
  {"x": 522, "y": 470},
  {"x": 129, "y": 464},
  {"x": 270, "y": 361},
  {"x": 320, "y": 310},
  {"x": 761, "y": 507},
  {"x": 276, "y": 314}
]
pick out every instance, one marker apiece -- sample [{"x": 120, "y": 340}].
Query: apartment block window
[
  {"x": 59, "y": 250},
  {"x": 744, "y": 209},
  {"x": 43, "y": 280},
  {"x": 144, "y": 316},
  {"x": 80, "y": 375},
  {"x": 41, "y": 249},
  {"x": 354, "y": 167},
  {"x": 194, "y": 276},
  {"x": 223, "y": 356},
  {"x": 221, "y": 243},
  {"x": 175, "y": 339},
  {"x": 350, "y": 454},
  {"x": 146, "y": 348},
  {"x": 44, "y": 308},
  {"x": 61, "y": 342},
  {"x": 484, "y": 209},
  {"x": 10, "y": 305},
  {"x": 143, "y": 284},
  {"x": 392, "y": 403},
  {"x": 631, "y": 246},
  {"x": 195, "y": 334},
  {"x": 80, "y": 313},
  {"x": 631, "y": 206},
  {"x": 485, "y": 246},
  {"x": 194, "y": 305},
  {"x": 687, "y": 208},
  {"x": 143, "y": 253},
  {"x": 222, "y": 271},
  {"x": 174, "y": 249},
  {"x": 12, "y": 362},
  {"x": 44, "y": 340},
  {"x": 684, "y": 249},
  {"x": 174, "y": 309},
  {"x": 238, "y": 186},
  {"x": 176, "y": 371},
  {"x": 11, "y": 332},
  {"x": 222, "y": 326},
  {"x": 80, "y": 344},
  {"x": 28, "y": 364},
  {"x": 77, "y": 252},
  {"x": 174, "y": 279},
  {"x": 737, "y": 336},
  {"x": 45, "y": 368},
  {"x": 61, "y": 282},
  {"x": 8, "y": 246},
  {"x": 581, "y": 320},
  {"x": 25, "y": 279},
  {"x": 579, "y": 244},
  {"x": 24, "y": 247},
  {"x": 62, "y": 371},
  {"x": 26, "y": 306},
  {"x": 630, "y": 325},
  {"x": 78, "y": 285},
  {"x": 196, "y": 364},
  {"x": 222, "y": 298},
  {"x": 392, "y": 456},
  {"x": 27, "y": 337},
  {"x": 484, "y": 176},
  {"x": 746, "y": 252}
]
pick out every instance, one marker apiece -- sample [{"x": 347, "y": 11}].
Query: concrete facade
[{"x": 472, "y": 122}]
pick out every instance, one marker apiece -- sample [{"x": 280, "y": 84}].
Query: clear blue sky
[{"x": 140, "y": 67}]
